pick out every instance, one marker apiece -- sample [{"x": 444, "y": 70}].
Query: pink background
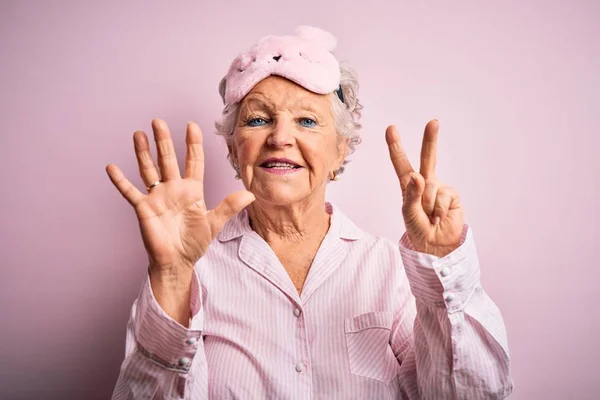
[{"x": 515, "y": 87}]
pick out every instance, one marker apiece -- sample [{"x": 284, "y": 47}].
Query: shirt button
[
  {"x": 445, "y": 271},
  {"x": 297, "y": 312},
  {"x": 299, "y": 367},
  {"x": 450, "y": 298},
  {"x": 184, "y": 361},
  {"x": 191, "y": 340}
]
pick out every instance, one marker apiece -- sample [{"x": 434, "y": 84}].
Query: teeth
[{"x": 280, "y": 165}]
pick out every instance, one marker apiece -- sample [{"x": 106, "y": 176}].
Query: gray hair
[{"x": 346, "y": 115}]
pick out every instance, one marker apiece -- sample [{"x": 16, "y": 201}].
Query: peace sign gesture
[{"x": 432, "y": 212}]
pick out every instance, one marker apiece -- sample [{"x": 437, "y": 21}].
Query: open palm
[{"x": 176, "y": 227}]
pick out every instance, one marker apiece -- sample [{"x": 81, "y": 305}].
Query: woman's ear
[
  {"x": 234, "y": 160},
  {"x": 232, "y": 154},
  {"x": 343, "y": 147}
]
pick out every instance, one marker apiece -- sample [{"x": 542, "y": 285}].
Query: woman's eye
[
  {"x": 256, "y": 122},
  {"x": 308, "y": 122}
]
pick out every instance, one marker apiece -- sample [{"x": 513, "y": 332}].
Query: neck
[{"x": 289, "y": 223}]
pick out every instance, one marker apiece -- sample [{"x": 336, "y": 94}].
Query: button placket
[{"x": 302, "y": 364}]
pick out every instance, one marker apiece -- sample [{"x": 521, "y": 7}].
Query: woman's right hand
[{"x": 176, "y": 227}]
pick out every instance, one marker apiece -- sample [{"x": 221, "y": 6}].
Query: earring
[{"x": 335, "y": 175}]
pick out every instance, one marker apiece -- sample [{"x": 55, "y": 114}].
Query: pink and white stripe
[{"x": 374, "y": 321}]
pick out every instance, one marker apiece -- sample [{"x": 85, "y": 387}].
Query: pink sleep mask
[{"x": 304, "y": 58}]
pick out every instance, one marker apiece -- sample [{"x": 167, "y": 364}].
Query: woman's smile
[{"x": 279, "y": 166}]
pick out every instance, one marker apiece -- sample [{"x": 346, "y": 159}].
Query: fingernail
[{"x": 436, "y": 220}]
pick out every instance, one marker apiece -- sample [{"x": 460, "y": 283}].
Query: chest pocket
[{"x": 368, "y": 342}]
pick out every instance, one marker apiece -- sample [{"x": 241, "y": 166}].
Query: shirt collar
[{"x": 341, "y": 225}]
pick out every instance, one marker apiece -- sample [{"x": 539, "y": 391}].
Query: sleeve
[
  {"x": 455, "y": 347},
  {"x": 163, "y": 359}
]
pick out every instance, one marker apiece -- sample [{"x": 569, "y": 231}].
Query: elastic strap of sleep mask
[{"x": 338, "y": 91}]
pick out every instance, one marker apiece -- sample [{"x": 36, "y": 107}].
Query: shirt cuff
[
  {"x": 448, "y": 281},
  {"x": 161, "y": 338}
]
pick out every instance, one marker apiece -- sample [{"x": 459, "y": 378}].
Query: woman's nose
[{"x": 282, "y": 135}]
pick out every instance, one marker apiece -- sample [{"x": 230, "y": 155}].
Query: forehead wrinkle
[
  {"x": 259, "y": 100},
  {"x": 305, "y": 101},
  {"x": 310, "y": 105}
]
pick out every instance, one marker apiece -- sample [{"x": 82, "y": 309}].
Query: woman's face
[{"x": 285, "y": 143}]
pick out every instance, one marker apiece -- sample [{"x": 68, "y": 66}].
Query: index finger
[
  {"x": 397, "y": 153},
  {"x": 429, "y": 149},
  {"x": 127, "y": 189},
  {"x": 194, "y": 159}
]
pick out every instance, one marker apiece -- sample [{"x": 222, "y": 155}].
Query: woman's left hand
[{"x": 432, "y": 212}]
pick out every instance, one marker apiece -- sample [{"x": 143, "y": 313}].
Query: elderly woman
[{"x": 275, "y": 293}]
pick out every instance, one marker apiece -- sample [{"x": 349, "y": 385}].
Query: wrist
[
  {"x": 439, "y": 251},
  {"x": 172, "y": 288},
  {"x": 170, "y": 274}
]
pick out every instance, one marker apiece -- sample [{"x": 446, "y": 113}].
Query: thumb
[{"x": 231, "y": 205}]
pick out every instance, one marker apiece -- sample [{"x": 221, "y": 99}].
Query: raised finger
[
  {"x": 194, "y": 159},
  {"x": 397, "y": 153},
  {"x": 148, "y": 170},
  {"x": 429, "y": 149},
  {"x": 126, "y": 188},
  {"x": 167, "y": 159}
]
